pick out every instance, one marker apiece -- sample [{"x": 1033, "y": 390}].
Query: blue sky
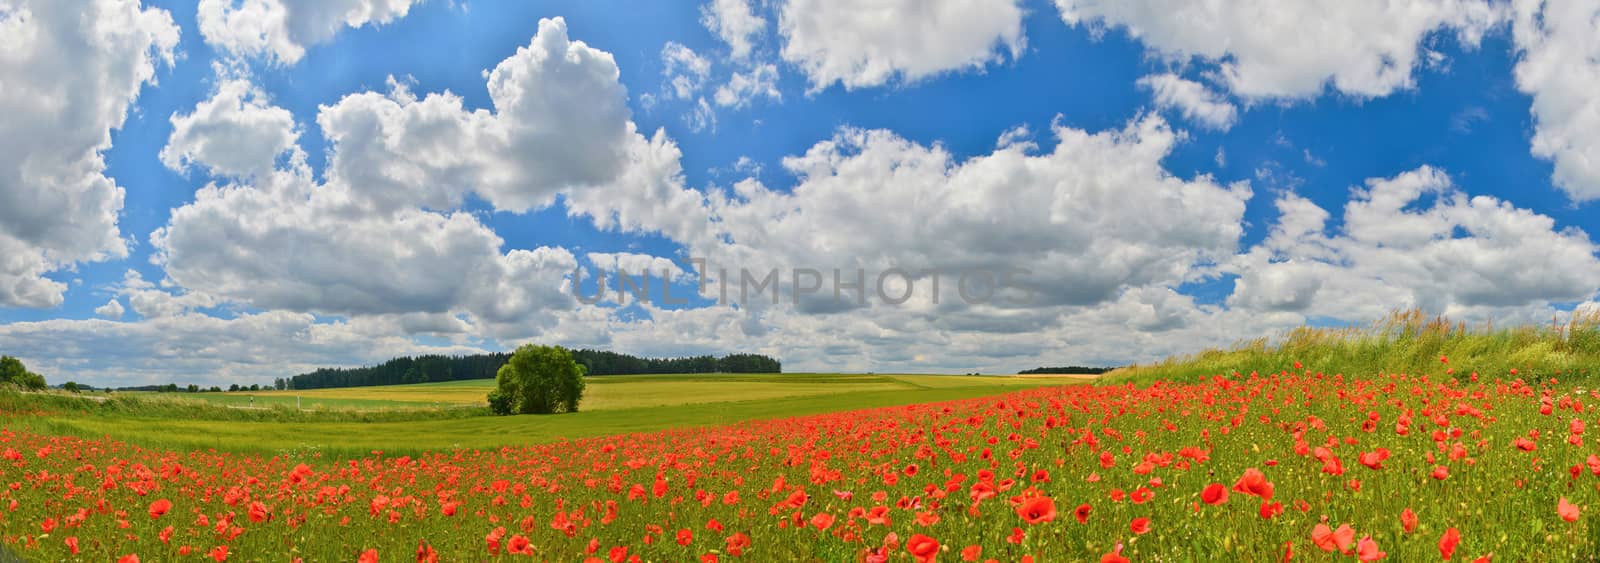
[{"x": 1441, "y": 158}]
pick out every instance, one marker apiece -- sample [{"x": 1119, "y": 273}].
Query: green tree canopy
[
  {"x": 12, "y": 371},
  {"x": 538, "y": 380}
]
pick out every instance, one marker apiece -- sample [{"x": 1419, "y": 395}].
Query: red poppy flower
[
  {"x": 1215, "y": 493},
  {"x": 737, "y": 542},
  {"x": 1082, "y": 513},
  {"x": 259, "y": 512},
  {"x": 878, "y": 516},
  {"x": 519, "y": 545},
  {"x": 368, "y": 556},
  {"x": 923, "y": 548},
  {"x": 1333, "y": 540},
  {"x": 1016, "y": 537},
  {"x": 1448, "y": 542},
  {"x": 492, "y": 539},
  {"x": 1408, "y": 520},
  {"x": 822, "y": 521},
  {"x": 1139, "y": 525},
  {"x": 1037, "y": 510},
  {"x": 796, "y": 499},
  {"x": 1254, "y": 482},
  {"x": 426, "y": 553},
  {"x": 1367, "y": 550},
  {"x": 159, "y": 508},
  {"x": 1567, "y": 510},
  {"x": 1373, "y": 459}
]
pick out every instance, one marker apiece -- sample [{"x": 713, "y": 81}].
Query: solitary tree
[
  {"x": 12, "y": 371},
  {"x": 538, "y": 380}
]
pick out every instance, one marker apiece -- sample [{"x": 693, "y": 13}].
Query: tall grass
[{"x": 1403, "y": 342}]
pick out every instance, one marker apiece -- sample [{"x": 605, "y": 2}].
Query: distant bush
[
  {"x": 13, "y": 372},
  {"x": 538, "y": 380}
]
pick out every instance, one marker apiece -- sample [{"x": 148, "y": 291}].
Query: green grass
[
  {"x": 1404, "y": 342},
  {"x": 613, "y": 405},
  {"x": 305, "y": 400}
]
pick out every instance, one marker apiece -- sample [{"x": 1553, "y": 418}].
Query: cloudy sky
[{"x": 227, "y": 191}]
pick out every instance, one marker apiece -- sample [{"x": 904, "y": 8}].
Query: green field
[
  {"x": 613, "y": 392},
  {"x": 612, "y": 405}
]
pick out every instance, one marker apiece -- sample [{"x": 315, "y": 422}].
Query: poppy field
[{"x": 1292, "y": 465}]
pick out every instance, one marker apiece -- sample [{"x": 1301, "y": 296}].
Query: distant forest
[
  {"x": 1070, "y": 370},
  {"x": 424, "y": 369}
]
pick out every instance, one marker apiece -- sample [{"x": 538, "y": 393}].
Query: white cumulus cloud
[
  {"x": 1559, "y": 65},
  {"x": 743, "y": 87},
  {"x": 1194, "y": 100},
  {"x": 1458, "y": 254},
  {"x": 861, "y": 45},
  {"x": 234, "y": 133},
  {"x": 560, "y": 121},
  {"x": 1272, "y": 49},
  {"x": 69, "y": 71},
  {"x": 735, "y": 23},
  {"x": 281, "y": 30}
]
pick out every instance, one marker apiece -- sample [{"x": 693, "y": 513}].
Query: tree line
[
  {"x": 1069, "y": 370},
  {"x": 192, "y": 388},
  {"x": 434, "y": 368}
]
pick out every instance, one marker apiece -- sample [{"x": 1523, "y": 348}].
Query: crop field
[
  {"x": 613, "y": 405},
  {"x": 617, "y": 391},
  {"x": 1232, "y": 466}
]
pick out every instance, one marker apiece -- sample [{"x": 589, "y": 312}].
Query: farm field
[
  {"x": 613, "y": 405},
  {"x": 619, "y": 391},
  {"x": 1227, "y": 467}
]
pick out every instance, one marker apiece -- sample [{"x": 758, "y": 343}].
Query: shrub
[
  {"x": 499, "y": 403},
  {"x": 538, "y": 380}
]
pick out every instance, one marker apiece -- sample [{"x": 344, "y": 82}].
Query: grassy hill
[{"x": 1403, "y": 342}]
